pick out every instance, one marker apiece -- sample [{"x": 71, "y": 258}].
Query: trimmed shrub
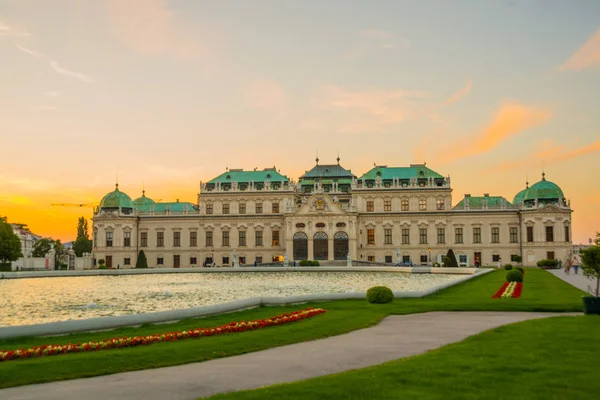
[
  {"x": 520, "y": 269},
  {"x": 508, "y": 267},
  {"x": 446, "y": 261},
  {"x": 102, "y": 266},
  {"x": 514, "y": 275},
  {"x": 380, "y": 295},
  {"x": 516, "y": 258},
  {"x": 141, "y": 260},
  {"x": 315, "y": 263},
  {"x": 308, "y": 263},
  {"x": 6, "y": 266},
  {"x": 453, "y": 262},
  {"x": 547, "y": 264}
]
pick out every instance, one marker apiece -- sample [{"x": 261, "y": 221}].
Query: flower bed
[
  {"x": 133, "y": 341},
  {"x": 509, "y": 290}
]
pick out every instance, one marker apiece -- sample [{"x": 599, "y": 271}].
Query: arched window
[
  {"x": 321, "y": 245},
  {"x": 340, "y": 245},
  {"x": 300, "y": 246}
]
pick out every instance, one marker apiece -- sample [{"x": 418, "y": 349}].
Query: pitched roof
[
  {"x": 239, "y": 175},
  {"x": 328, "y": 171},
  {"x": 477, "y": 202},
  {"x": 414, "y": 171}
]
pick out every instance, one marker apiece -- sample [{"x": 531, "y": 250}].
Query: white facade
[{"x": 394, "y": 220}]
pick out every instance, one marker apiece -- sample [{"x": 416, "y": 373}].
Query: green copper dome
[
  {"x": 116, "y": 199},
  {"x": 544, "y": 190},
  {"x": 520, "y": 197},
  {"x": 143, "y": 203}
]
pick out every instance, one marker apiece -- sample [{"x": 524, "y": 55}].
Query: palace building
[{"x": 387, "y": 215}]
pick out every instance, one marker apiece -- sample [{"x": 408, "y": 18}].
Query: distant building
[
  {"x": 389, "y": 214},
  {"x": 26, "y": 237}
]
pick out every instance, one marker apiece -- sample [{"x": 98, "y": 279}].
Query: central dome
[
  {"x": 116, "y": 200},
  {"x": 544, "y": 190},
  {"x": 143, "y": 203}
]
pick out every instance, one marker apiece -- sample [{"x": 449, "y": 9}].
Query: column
[
  {"x": 310, "y": 248},
  {"x": 330, "y": 248}
]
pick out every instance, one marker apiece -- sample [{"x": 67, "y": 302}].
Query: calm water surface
[{"x": 40, "y": 300}]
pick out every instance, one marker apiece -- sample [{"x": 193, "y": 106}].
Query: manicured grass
[
  {"x": 542, "y": 292},
  {"x": 551, "y": 358}
]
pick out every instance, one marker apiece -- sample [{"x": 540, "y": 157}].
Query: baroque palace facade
[{"x": 389, "y": 214}]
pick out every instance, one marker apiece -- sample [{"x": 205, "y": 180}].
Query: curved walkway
[
  {"x": 395, "y": 337},
  {"x": 578, "y": 280}
]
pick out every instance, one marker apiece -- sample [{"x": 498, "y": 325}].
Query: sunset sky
[{"x": 169, "y": 93}]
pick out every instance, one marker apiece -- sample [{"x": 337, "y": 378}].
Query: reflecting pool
[{"x": 41, "y": 300}]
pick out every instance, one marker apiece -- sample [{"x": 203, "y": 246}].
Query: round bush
[
  {"x": 519, "y": 269},
  {"x": 508, "y": 267},
  {"x": 514, "y": 275},
  {"x": 380, "y": 295}
]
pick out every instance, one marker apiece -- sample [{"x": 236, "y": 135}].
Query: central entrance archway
[
  {"x": 321, "y": 246},
  {"x": 300, "y": 246},
  {"x": 340, "y": 246}
]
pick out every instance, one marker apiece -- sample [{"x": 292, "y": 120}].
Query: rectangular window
[
  {"x": 530, "y": 234},
  {"x": 160, "y": 239},
  {"x": 370, "y": 206},
  {"x": 160, "y": 260},
  {"x": 193, "y": 261},
  {"x": 422, "y": 204},
  {"x": 275, "y": 207},
  {"x": 387, "y": 236},
  {"x": 476, "y": 235},
  {"x": 388, "y": 259},
  {"x": 387, "y": 205},
  {"x": 495, "y": 235},
  {"x": 225, "y": 260},
  {"x": 423, "y": 259},
  {"x": 242, "y": 208},
  {"x": 458, "y": 235},
  {"x": 406, "y": 259},
  {"x": 439, "y": 204},
  {"x": 567, "y": 236},
  {"x": 423, "y": 236},
  {"x": 225, "y": 208},
  {"x": 258, "y": 208},
  {"x": 144, "y": 239},
  {"x": 495, "y": 257},
  {"x": 441, "y": 235},
  {"x": 209, "y": 208},
  {"x": 549, "y": 255},
  {"x": 209, "y": 238},
  {"x": 513, "y": 234},
  {"x": 127, "y": 261},
  {"x": 371, "y": 258},
  {"x": 258, "y": 260},
  {"x": 258, "y": 238},
  {"x": 176, "y": 261},
  {"x": 406, "y": 236},
  {"x": 109, "y": 261},
  {"x": 404, "y": 205},
  {"x": 109, "y": 239},
  {"x": 127, "y": 239},
  {"x": 225, "y": 238},
  {"x": 462, "y": 259},
  {"x": 176, "y": 239},
  {"x": 549, "y": 234},
  {"x": 370, "y": 236},
  {"x": 275, "y": 241},
  {"x": 242, "y": 238},
  {"x": 193, "y": 239}
]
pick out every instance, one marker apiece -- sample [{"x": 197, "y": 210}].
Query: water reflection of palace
[{"x": 389, "y": 214}]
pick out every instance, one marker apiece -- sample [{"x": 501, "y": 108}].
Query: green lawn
[
  {"x": 546, "y": 359},
  {"x": 542, "y": 292}
]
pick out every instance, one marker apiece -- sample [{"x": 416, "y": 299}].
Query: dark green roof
[
  {"x": 414, "y": 171},
  {"x": 116, "y": 199},
  {"x": 477, "y": 202},
  {"x": 239, "y": 175},
  {"x": 544, "y": 190},
  {"x": 328, "y": 171},
  {"x": 328, "y": 181},
  {"x": 143, "y": 202},
  {"x": 175, "y": 207}
]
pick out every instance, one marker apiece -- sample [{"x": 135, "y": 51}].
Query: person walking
[{"x": 567, "y": 266}]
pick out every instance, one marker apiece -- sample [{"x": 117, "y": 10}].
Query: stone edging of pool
[
  {"x": 133, "y": 271},
  {"x": 107, "y": 323}
]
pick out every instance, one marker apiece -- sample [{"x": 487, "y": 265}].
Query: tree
[
  {"x": 10, "y": 244},
  {"x": 590, "y": 264},
  {"x": 597, "y": 240},
  {"x": 42, "y": 247},
  {"x": 82, "y": 244},
  {"x": 141, "y": 260},
  {"x": 453, "y": 262}
]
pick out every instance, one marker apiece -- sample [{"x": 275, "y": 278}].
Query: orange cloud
[
  {"x": 511, "y": 120},
  {"x": 459, "y": 95},
  {"x": 150, "y": 27},
  {"x": 586, "y": 56},
  {"x": 265, "y": 93}
]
